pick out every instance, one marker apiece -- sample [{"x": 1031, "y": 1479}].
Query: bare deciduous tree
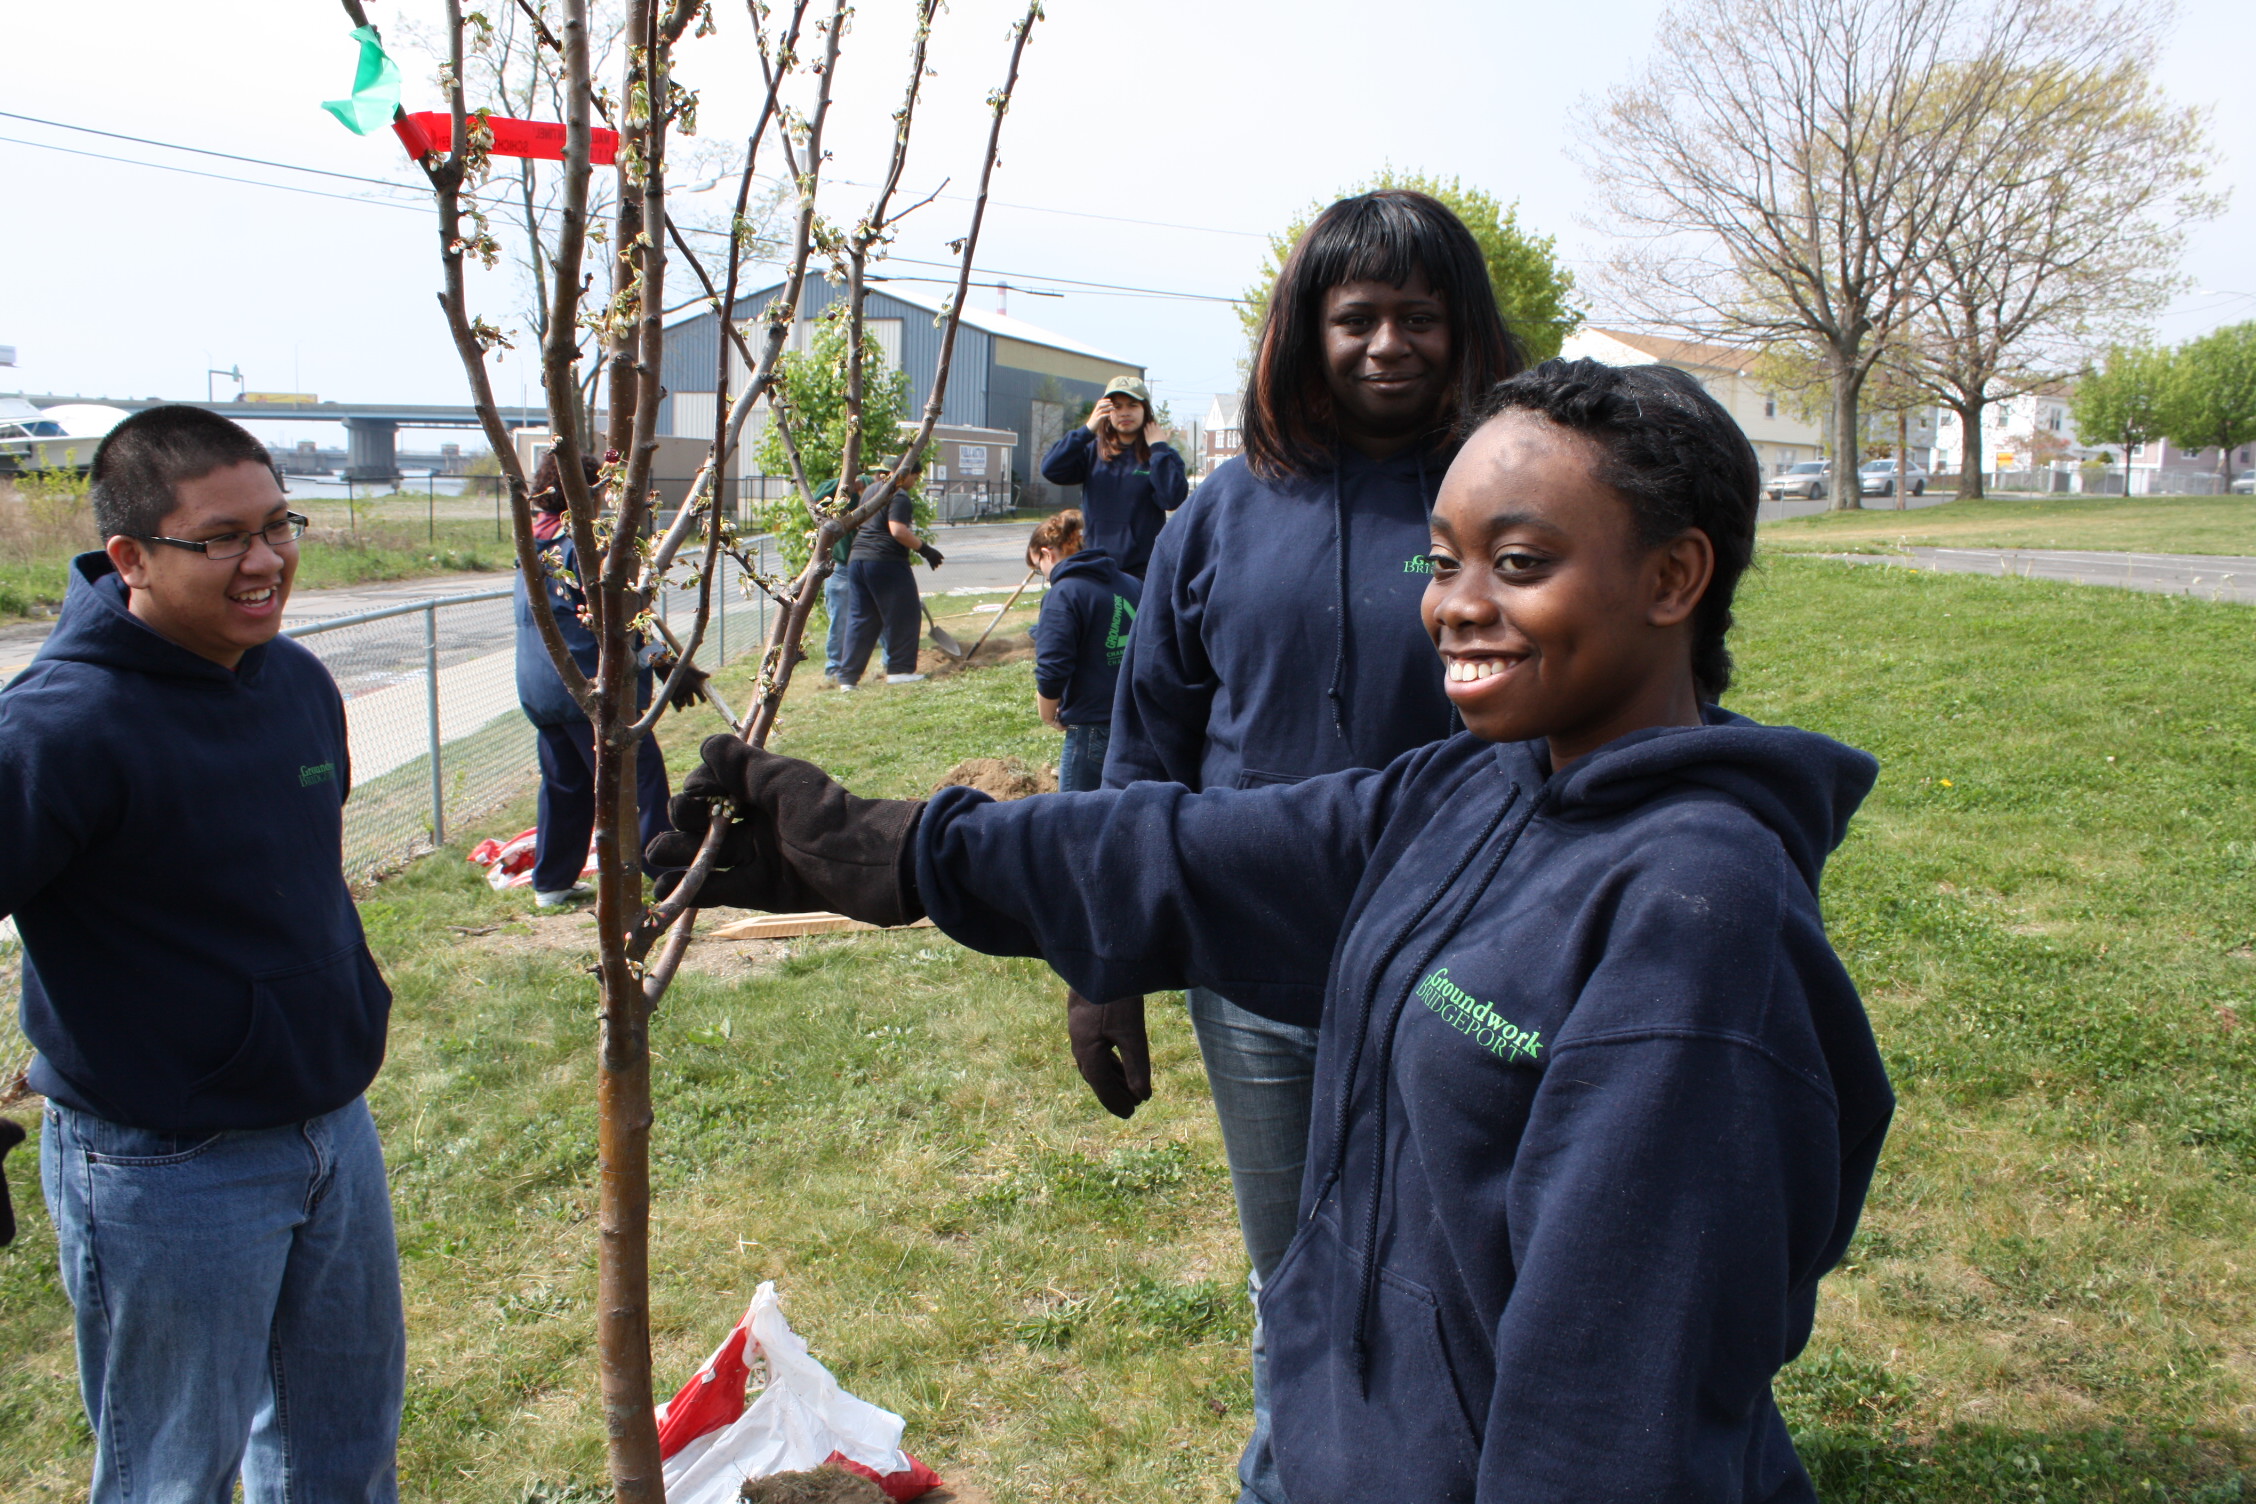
[
  {"x": 623, "y": 559},
  {"x": 1783, "y": 169},
  {"x": 2070, "y": 240}
]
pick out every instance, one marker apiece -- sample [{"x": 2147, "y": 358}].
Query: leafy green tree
[
  {"x": 2211, "y": 395},
  {"x": 813, "y": 383},
  {"x": 1533, "y": 291},
  {"x": 2121, "y": 402}
]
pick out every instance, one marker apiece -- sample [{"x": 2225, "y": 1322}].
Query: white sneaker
[
  {"x": 843, "y": 685},
  {"x": 904, "y": 678},
  {"x": 557, "y": 900}
]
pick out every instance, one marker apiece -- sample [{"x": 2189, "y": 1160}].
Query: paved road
[
  {"x": 2214, "y": 577},
  {"x": 20, "y": 640},
  {"x": 981, "y": 556}
]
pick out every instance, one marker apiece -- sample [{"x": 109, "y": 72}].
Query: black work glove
[
  {"x": 796, "y": 840},
  {"x": 689, "y": 688},
  {"x": 1112, "y": 1050},
  {"x": 11, "y": 1134},
  {"x": 932, "y": 556}
]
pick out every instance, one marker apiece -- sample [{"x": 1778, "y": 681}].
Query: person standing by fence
[
  {"x": 1130, "y": 476},
  {"x": 567, "y": 741}
]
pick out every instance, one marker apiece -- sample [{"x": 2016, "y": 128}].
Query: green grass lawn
[
  {"x": 2049, "y": 901},
  {"x": 2141, "y": 524}
]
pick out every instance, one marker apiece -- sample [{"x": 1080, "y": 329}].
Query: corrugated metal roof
[{"x": 1001, "y": 324}]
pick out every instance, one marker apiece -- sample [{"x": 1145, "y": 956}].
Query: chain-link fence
[{"x": 431, "y": 713}]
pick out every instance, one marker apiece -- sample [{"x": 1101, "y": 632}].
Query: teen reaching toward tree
[
  {"x": 1279, "y": 637},
  {"x": 1597, "y": 1104}
]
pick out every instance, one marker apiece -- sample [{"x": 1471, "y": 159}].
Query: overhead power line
[
  {"x": 219, "y": 177},
  {"x": 201, "y": 151},
  {"x": 1113, "y": 289}
]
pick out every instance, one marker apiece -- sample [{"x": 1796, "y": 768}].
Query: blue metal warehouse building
[{"x": 1007, "y": 374}]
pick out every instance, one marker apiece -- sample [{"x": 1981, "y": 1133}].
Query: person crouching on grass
[
  {"x": 1079, "y": 641},
  {"x": 204, "y": 1007},
  {"x": 1596, "y": 1103}
]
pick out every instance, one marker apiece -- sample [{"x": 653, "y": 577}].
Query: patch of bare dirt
[
  {"x": 999, "y": 777},
  {"x": 572, "y": 932}
]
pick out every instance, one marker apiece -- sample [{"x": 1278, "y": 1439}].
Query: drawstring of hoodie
[
  {"x": 1336, "y": 691},
  {"x": 1339, "y": 632},
  {"x": 1367, "y": 1273}
]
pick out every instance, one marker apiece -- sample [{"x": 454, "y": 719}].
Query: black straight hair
[
  {"x": 143, "y": 458},
  {"x": 1675, "y": 456},
  {"x": 1390, "y": 236}
]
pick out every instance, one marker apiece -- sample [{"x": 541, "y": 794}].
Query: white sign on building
[{"x": 971, "y": 459}]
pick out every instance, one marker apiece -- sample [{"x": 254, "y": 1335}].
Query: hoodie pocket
[
  {"x": 1387, "y": 1422},
  {"x": 1254, "y": 778},
  {"x": 316, "y": 1034}
]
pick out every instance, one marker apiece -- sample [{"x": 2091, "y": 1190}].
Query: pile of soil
[
  {"x": 828, "y": 1484},
  {"x": 999, "y": 777}
]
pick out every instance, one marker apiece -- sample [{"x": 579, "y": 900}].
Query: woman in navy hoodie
[
  {"x": 1597, "y": 1103},
  {"x": 1130, "y": 476},
  {"x": 1279, "y": 637}
]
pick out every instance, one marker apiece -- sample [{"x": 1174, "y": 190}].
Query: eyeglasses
[{"x": 234, "y": 545}]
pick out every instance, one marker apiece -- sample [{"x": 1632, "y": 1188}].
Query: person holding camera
[{"x": 1130, "y": 476}]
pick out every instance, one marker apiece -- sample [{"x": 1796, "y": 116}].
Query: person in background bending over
[
  {"x": 567, "y": 742},
  {"x": 1079, "y": 643},
  {"x": 1279, "y": 636},
  {"x": 1130, "y": 476},
  {"x": 884, "y": 588}
]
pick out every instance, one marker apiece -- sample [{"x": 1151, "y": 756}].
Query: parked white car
[
  {"x": 1878, "y": 478},
  {"x": 1803, "y": 482},
  {"x": 2244, "y": 484}
]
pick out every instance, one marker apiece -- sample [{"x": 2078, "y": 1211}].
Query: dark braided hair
[{"x": 1679, "y": 460}]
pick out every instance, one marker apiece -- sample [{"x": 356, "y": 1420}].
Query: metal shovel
[{"x": 940, "y": 637}]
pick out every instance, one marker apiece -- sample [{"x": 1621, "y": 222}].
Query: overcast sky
[{"x": 1227, "y": 117}]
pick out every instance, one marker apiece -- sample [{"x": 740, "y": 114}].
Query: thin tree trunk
[
  {"x": 1970, "y": 451},
  {"x": 1903, "y": 455}
]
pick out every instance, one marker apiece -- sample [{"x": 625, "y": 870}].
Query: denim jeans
[
  {"x": 237, "y": 1305},
  {"x": 567, "y": 802},
  {"x": 1081, "y": 764},
  {"x": 837, "y": 598},
  {"x": 1262, "y": 1075},
  {"x": 885, "y": 601}
]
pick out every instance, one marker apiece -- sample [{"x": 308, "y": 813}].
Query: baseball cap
[{"x": 1128, "y": 386}]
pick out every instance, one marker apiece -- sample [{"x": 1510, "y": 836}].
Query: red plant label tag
[{"x": 428, "y": 131}]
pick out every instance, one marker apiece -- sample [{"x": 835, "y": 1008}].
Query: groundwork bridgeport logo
[{"x": 1476, "y": 1020}]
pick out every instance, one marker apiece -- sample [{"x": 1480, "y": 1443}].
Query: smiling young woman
[
  {"x": 1597, "y": 1104},
  {"x": 1278, "y": 637}
]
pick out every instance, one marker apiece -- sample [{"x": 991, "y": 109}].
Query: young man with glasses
[{"x": 203, "y": 1004}]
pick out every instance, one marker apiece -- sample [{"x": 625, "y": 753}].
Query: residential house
[{"x": 1780, "y": 438}]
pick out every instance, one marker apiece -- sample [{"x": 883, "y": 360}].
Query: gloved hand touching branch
[
  {"x": 688, "y": 689},
  {"x": 796, "y": 840}
]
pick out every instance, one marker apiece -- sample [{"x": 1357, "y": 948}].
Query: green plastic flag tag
[{"x": 376, "y": 88}]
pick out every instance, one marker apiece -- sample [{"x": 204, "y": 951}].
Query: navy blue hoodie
[
  {"x": 1595, "y": 1103},
  {"x": 1246, "y": 670},
  {"x": 174, "y": 839},
  {"x": 540, "y": 690},
  {"x": 1124, "y": 500},
  {"x": 1083, "y": 635}
]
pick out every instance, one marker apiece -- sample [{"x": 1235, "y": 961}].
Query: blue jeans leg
[
  {"x": 1262, "y": 1075},
  {"x": 237, "y": 1304},
  {"x": 1081, "y": 764},
  {"x": 837, "y": 600},
  {"x": 567, "y": 802}
]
